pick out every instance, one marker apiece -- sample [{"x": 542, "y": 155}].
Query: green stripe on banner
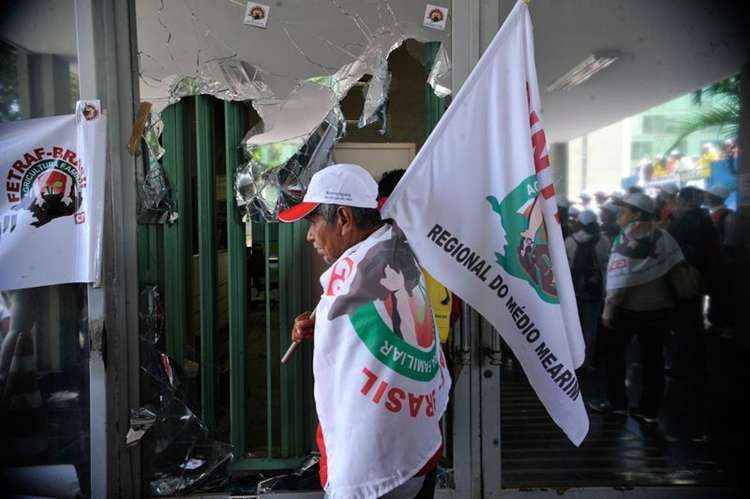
[{"x": 391, "y": 350}]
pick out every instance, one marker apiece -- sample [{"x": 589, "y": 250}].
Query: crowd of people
[
  {"x": 677, "y": 164},
  {"x": 658, "y": 268}
]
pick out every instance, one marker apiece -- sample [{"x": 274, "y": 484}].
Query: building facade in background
[{"x": 601, "y": 159}]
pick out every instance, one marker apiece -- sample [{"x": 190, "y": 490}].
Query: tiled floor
[{"x": 618, "y": 450}]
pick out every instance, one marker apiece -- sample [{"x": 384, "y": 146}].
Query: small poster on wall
[
  {"x": 52, "y": 174},
  {"x": 256, "y": 14},
  {"x": 435, "y": 17}
]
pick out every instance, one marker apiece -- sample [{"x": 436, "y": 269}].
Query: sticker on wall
[
  {"x": 435, "y": 17},
  {"x": 256, "y": 14}
]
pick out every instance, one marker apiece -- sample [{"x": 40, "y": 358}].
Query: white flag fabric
[
  {"x": 52, "y": 198},
  {"x": 478, "y": 208},
  {"x": 381, "y": 382}
]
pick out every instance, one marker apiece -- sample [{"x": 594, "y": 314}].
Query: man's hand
[{"x": 304, "y": 327}]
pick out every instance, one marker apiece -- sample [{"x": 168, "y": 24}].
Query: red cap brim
[{"x": 297, "y": 212}]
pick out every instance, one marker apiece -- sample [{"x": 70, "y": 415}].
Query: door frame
[{"x": 107, "y": 62}]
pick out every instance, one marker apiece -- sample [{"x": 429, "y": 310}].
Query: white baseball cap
[
  {"x": 342, "y": 184},
  {"x": 639, "y": 200}
]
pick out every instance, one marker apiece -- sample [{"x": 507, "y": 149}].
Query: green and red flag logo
[{"x": 526, "y": 251}]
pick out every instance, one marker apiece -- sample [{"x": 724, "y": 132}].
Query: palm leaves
[{"x": 725, "y": 114}]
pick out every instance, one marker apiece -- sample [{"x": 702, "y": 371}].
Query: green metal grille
[
  {"x": 278, "y": 429},
  {"x": 192, "y": 138}
]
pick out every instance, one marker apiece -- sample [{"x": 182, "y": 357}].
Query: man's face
[
  {"x": 626, "y": 215},
  {"x": 326, "y": 238}
]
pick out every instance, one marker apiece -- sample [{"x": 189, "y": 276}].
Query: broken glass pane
[{"x": 295, "y": 72}]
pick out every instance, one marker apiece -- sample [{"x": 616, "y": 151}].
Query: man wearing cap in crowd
[
  {"x": 638, "y": 302},
  {"x": 563, "y": 208},
  {"x": 374, "y": 438},
  {"x": 721, "y": 216},
  {"x": 665, "y": 203},
  {"x": 698, "y": 239},
  {"x": 585, "y": 200},
  {"x": 600, "y": 197},
  {"x": 588, "y": 254},
  {"x": 722, "y": 284},
  {"x": 608, "y": 217}
]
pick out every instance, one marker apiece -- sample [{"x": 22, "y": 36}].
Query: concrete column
[
  {"x": 22, "y": 70},
  {"x": 559, "y": 159}
]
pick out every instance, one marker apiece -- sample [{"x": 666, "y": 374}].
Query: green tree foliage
[{"x": 724, "y": 113}]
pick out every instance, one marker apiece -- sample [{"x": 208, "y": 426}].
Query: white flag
[
  {"x": 52, "y": 198},
  {"x": 477, "y": 205}
]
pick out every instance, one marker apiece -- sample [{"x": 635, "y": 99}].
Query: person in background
[
  {"x": 585, "y": 200},
  {"x": 600, "y": 197},
  {"x": 563, "y": 208},
  {"x": 674, "y": 162},
  {"x": 573, "y": 213},
  {"x": 588, "y": 253},
  {"x": 698, "y": 238},
  {"x": 722, "y": 217},
  {"x": 659, "y": 166},
  {"x": 721, "y": 286},
  {"x": 694, "y": 231},
  {"x": 708, "y": 155},
  {"x": 638, "y": 302},
  {"x": 645, "y": 171},
  {"x": 608, "y": 217},
  {"x": 731, "y": 154},
  {"x": 665, "y": 203}
]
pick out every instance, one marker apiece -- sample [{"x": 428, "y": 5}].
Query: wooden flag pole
[{"x": 295, "y": 344}]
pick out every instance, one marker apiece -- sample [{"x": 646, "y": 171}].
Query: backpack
[{"x": 587, "y": 276}]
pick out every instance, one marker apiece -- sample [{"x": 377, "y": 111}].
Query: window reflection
[{"x": 44, "y": 374}]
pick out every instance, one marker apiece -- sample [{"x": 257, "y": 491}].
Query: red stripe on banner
[
  {"x": 539, "y": 144},
  {"x": 548, "y": 191}
]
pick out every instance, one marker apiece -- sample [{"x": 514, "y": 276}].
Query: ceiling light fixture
[{"x": 585, "y": 70}]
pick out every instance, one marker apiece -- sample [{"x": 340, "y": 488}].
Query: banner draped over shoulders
[{"x": 381, "y": 383}]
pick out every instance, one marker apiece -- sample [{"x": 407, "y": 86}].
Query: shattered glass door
[{"x": 241, "y": 115}]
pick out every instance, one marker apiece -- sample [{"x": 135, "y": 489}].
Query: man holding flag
[
  {"x": 487, "y": 229},
  {"x": 381, "y": 382}
]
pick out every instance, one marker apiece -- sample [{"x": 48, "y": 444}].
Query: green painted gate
[
  {"x": 273, "y": 425},
  {"x": 229, "y": 308}
]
